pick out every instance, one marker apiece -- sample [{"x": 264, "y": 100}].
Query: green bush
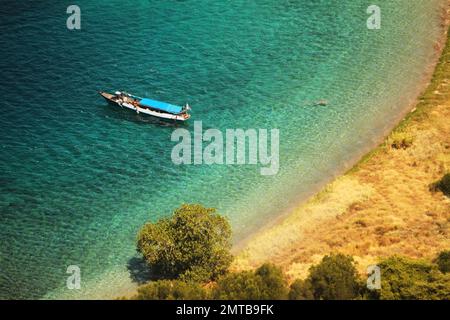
[
  {"x": 334, "y": 278},
  {"x": 444, "y": 184},
  {"x": 170, "y": 290},
  {"x": 443, "y": 261},
  {"x": 274, "y": 282},
  {"x": 266, "y": 283},
  {"x": 404, "y": 279},
  {"x": 238, "y": 286},
  {"x": 301, "y": 290},
  {"x": 193, "y": 244}
]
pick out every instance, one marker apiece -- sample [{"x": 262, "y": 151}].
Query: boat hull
[{"x": 111, "y": 99}]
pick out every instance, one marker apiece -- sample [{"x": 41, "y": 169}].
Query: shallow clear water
[{"x": 78, "y": 178}]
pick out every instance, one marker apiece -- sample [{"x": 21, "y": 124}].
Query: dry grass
[{"x": 382, "y": 207}]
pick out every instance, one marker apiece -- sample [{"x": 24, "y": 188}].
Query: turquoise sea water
[{"x": 78, "y": 177}]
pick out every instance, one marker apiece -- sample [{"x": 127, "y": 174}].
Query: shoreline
[
  {"x": 283, "y": 255},
  {"x": 277, "y": 240},
  {"x": 371, "y": 146},
  {"x": 243, "y": 261}
]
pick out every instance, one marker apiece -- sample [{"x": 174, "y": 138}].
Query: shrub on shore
[
  {"x": 192, "y": 248},
  {"x": 334, "y": 278},
  {"x": 193, "y": 244},
  {"x": 444, "y": 185},
  {"x": 171, "y": 290},
  {"x": 238, "y": 286},
  {"x": 301, "y": 290},
  {"x": 274, "y": 282},
  {"x": 405, "y": 279},
  {"x": 443, "y": 261},
  {"x": 401, "y": 279},
  {"x": 266, "y": 283}
]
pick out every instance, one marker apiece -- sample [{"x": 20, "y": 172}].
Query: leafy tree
[
  {"x": 170, "y": 290},
  {"x": 193, "y": 244},
  {"x": 443, "y": 261},
  {"x": 274, "y": 284},
  {"x": 266, "y": 283},
  {"x": 301, "y": 290},
  {"x": 238, "y": 286},
  {"x": 334, "y": 278},
  {"x": 404, "y": 279}
]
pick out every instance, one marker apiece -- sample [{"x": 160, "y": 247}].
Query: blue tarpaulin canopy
[{"x": 170, "y": 108}]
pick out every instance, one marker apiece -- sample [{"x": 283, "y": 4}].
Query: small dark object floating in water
[
  {"x": 321, "y": 103},
  {"x": 148, "y": 106}
]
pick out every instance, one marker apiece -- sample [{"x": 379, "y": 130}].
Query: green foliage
[
  {"x": 274, "y": 285},
  {"x": 443, "y": 261},
  {"x": 193, "y": 244},
  {"x": 404, "y": 279},
  {"x": 238, "y": 286},
  {"x": 334, "y": 278},
  {"x": 301, "y": 290},
  {"x": 170, "y": 290},
  {"x": 266, "y": 283},
  {"x": 444, "y": 184}
]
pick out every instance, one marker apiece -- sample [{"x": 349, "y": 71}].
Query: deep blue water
[{"x": 78, "y": 177}]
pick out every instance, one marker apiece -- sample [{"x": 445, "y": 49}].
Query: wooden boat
[{"x": 148, "y": 106}]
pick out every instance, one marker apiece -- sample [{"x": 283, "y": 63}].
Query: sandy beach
[{"x": 381, "y": 207}]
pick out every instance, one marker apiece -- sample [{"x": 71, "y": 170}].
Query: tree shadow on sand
[{"x": 140, "y": 272}]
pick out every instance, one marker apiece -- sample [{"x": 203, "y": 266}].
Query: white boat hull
[
  {"x": 169, "y": 116},
  {"x": 131, "y": 102}
]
